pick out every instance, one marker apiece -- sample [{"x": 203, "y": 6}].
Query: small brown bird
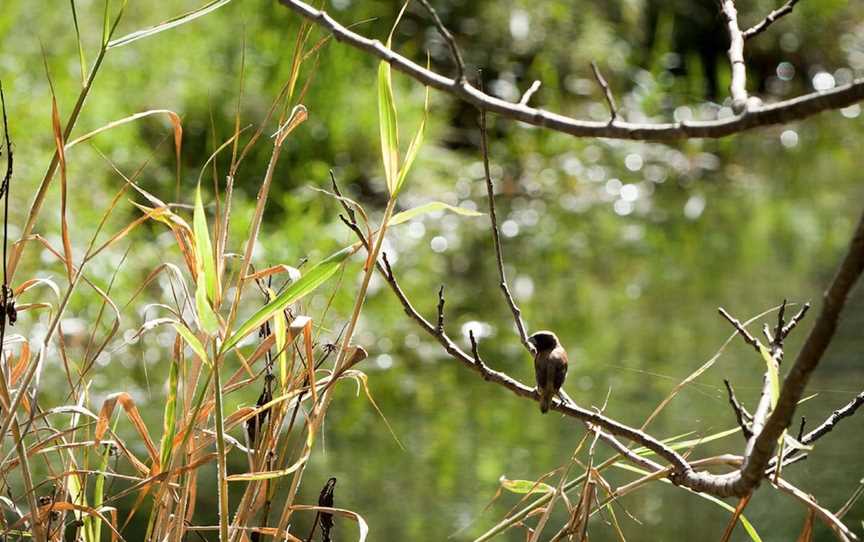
[{"x": 550, "y": 366}]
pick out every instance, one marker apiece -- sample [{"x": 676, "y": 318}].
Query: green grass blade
[
  {"x": 166, "y": 25},
  {"x": 192, "y": 341},
  {"x": 81, "y": 60},
  {"x": 169, "y": 418},
  {"x": 204, "y": 248},
  {"x": 306, "y": 284},
  {"x": 280, "y": 329},
  {"x": 685, "y": 444}
]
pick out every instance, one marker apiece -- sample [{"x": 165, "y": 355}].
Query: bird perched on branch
[{"x": 550, "y": 366}]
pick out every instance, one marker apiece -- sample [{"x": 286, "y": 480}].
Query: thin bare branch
[
  {"x": 749, "y": 339},
  {"x": 796, "y": 320},
  {"x": 448, "y": 38},
  {"x": 607, "y": 92},
  {"x": 828, "y": 425},
  {"x": 440, "y": 326},
  {"x": 841, "y": 531},
  {"x": 496, "y": 237},
  {"x": 535, "y": 86},
  {"x": 807, "y": 361},
  {"x": 772, "y": 17},
  {"x": 777, "y": 113},
  {"x": 741, "y": 415},
  {"x": 738, "y": 85}
]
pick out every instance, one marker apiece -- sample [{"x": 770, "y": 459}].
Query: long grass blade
[
  {"x": 305, "y": 285},
  {"x": 168, "y": 24}
]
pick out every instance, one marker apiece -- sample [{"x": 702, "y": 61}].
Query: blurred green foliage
[{"x": 625, "y": 249}]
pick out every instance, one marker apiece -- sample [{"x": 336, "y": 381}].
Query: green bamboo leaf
[
  {"x": 523, "y": 487},
  {"x": 206, "y": 286},
  {"x": 192, "y": 341},
  {"x": 280, "y": 329},
  {"x": 306, "y": 284},
  {"x": 206, "y": 317},
  {"x": 407, "y": 215},
  {"x": 388, "y": 126},
  {"x": 414, "y": 147},
  {"x": 169, "y": 418},
  {"x": 165, "y": 25},
  {"x": 203, "y": 247},
  {"x": 93, "y": 524}
]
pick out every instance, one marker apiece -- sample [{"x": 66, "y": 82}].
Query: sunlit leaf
[
  {"x": 170, "y": 23},
  {"x": 309, "y": 282},
  {"x": 192, "y": 341},
  {"x": 427, "y": 208},
  {"x": 388, "y": 126},
  {"x": 204, "y": 248},
  {"x": 169, "y": 416},
  {"x": 685, "y": 444},
  {"x": 414, "y": 147}
]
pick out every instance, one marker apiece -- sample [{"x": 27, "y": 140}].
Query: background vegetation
[{"x": 624, "y": 249}]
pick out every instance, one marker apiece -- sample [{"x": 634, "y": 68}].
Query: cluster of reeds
[{"x": 233, "y": 330}]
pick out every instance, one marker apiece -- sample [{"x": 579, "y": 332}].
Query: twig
[
  {"x": 828, "y": 425},
  {"x": 777, "y": 113},
  {"x": 741, "y": 415},
  {"x": 348, "y": 209},
  {"x": 840, "y": 530},
  {"x": 448, "y": 37},
  {"x": 749, "y": 339},
  {"x": 484, "y": 370},
  {"x": 610, "y": 100},
  {"x": 496, "y": 237},
  {"x": 796, "y": 320},
  {"x": 440, "y": 326},
  {"x": 738, "y": 85},
  {"x": 772, "y": 17},
  {"x": 808, "y": 359},
  {"x": 470, "y": 360},
  {"x": 535, "y": 86}
]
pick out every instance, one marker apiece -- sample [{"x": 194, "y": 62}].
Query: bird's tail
[
  {"x": 546, "y": 395},
  {"x": 545, "y": 402}
]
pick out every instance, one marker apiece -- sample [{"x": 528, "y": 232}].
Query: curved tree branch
[{"x": 777, "y": 113}]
